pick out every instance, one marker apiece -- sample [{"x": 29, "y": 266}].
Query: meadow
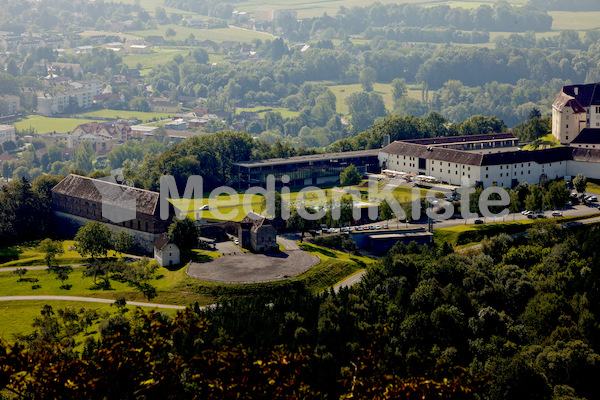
[
  {"x": 126, "y": 114},
  {"x": 41, "y": 124},
  {"x": 217, "y": 35}
]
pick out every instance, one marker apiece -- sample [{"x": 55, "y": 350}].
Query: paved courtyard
[{"x": 249, "y": 267}]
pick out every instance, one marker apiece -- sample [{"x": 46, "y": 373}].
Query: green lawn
[
  {"x": 26, "y": 254},
  {"x": 580, "y": 21},
  {"x": 124, "y": 114},
  {"x": 593, "y": 187},
  {"x": 17, "y": 316},
  {"x": 43, "y": 124},
  {"x": 216, "y": 35},
  {"x": 547, "y": 140},
  {"x": 285, "y": 113},
  {"x": 343, "y": 91},
  {"x": 161, "y": 55}
]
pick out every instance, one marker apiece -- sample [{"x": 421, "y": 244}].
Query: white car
[
  {"x": 236, "y": 241},
  {"x": 204, "y": 207},
  {"x": 556, "y": 214}
]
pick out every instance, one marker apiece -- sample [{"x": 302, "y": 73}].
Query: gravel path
[{"x": 89, "y": 300}]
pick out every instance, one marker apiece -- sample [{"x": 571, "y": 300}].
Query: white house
[
  {"x": 575, "y": 108},
  {"x": 166, "y": 253},
  {"x": 7, "y": 133}
]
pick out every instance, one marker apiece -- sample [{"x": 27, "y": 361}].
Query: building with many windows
[
  {"x": 7, "y": 133},
  {"x": 314, "y": 169},
  {"x": 471, "y": 168},
  {"x": 576, "y": 108},
  {"x": 78, "y": 200}
]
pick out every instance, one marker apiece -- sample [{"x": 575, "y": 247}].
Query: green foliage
[
  {"x": 184, "y": 233},
  {"x": 580, "y": 183},
  {"x": 52, "y": 249},
  {"x": 350, "y": 176},
  {"x": 93, "y": 239},
  {"x": 123, "y": 242}
]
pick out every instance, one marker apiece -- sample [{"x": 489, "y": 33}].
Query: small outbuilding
[{"x": 166, "y": 253}]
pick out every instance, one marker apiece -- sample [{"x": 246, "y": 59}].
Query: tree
[
  {"x": 368, "y": 76},
  {"x": 399, "y": 88},
  {"x": 52, "y": 249},
  {"x": 580, "y": 183},
  {"x": 62, "y": 274},
  {"x": 350, "y": 176},
  {"x": 303, "y": 225},
  {"x": 184, "y": 233},
  {"x": 123, "y": 242},
  {"x": 20, "y": 272},
  {"x": 534, "y": 201},
  {"x": 170, "y": 32},
  {"x": 93, "y": 239},
  {"x": 83, "y": 156},
  {"x": 556, "y": 196}
]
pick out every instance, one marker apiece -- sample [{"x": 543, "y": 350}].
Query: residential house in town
[
  {"x": 255, "y": 232},
  {"x": 161, "y": 104},
  {"x": 102, "y": 136}
]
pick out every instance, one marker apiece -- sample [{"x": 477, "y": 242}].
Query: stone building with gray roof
[{"x": 78, "y": 200}]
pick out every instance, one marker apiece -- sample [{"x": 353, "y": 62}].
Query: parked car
[
  {"x": 236, "y": 241},
  {"x": 556, "y": 214},
  {"x": 569, "y": 203},
  {"x": 359, "y": 228},
  {"x": 478, "y": 222},
  {"x": 204, "y": 207},
  {"x": 377, "y": 227},
  {"x": 531, "y": 216},
  {"x": 540, "y": 216},
  {"x": 350, "y": 229},
  {"x": 593, "y": 198},
  {"x": 385, "y": 226}
]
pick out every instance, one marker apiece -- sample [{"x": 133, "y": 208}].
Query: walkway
[
  {"x": 89, "y": 300},
  {"x": 350, "y": 281}
]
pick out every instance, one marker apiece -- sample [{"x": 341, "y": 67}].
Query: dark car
[{"x": 478, "y": 222}]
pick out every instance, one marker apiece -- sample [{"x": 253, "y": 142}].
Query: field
[
  {"x": 125, "y": 114},
  {"x": 27, "y": 254},
  {"x": 43, "y": 124},
  {"x": 216, "y": 35},
  {"x": 285, "y": 113},
  {"x": 160, "y": 55},
  {"x": 580, "y": 21},
  {"x": 343, "y": 91}
]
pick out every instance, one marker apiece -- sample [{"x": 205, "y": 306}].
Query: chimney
[{"x": 386, "y": 140}]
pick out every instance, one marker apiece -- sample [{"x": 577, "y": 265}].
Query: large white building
[
  {"x": 58, "y": 102},
  {"x": 477, "y": 168},
  {"x": 7, "y": 133}
]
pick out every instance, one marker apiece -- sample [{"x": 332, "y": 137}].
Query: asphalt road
[
  {"x": 89, "y": 300},
  {"x": 352, "y": 280}
]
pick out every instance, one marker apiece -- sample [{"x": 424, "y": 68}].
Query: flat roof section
[
  {"x": 308, "y": 158},
  {"x": 441, "y": 140}
]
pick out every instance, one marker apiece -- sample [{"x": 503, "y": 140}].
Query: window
[
  {"x": 448, "y": 171},
  {"x": 567, "y": 126},
  {"x": 486, "y": 175},
  {"x": 521, "y": 172},
  {"x": 487, "y": 168}
]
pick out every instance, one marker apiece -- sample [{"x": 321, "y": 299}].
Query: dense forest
[{"x": 515, "y": 321}]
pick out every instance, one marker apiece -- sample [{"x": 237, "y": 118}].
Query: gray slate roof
[{"x": 97, "y": 190}]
